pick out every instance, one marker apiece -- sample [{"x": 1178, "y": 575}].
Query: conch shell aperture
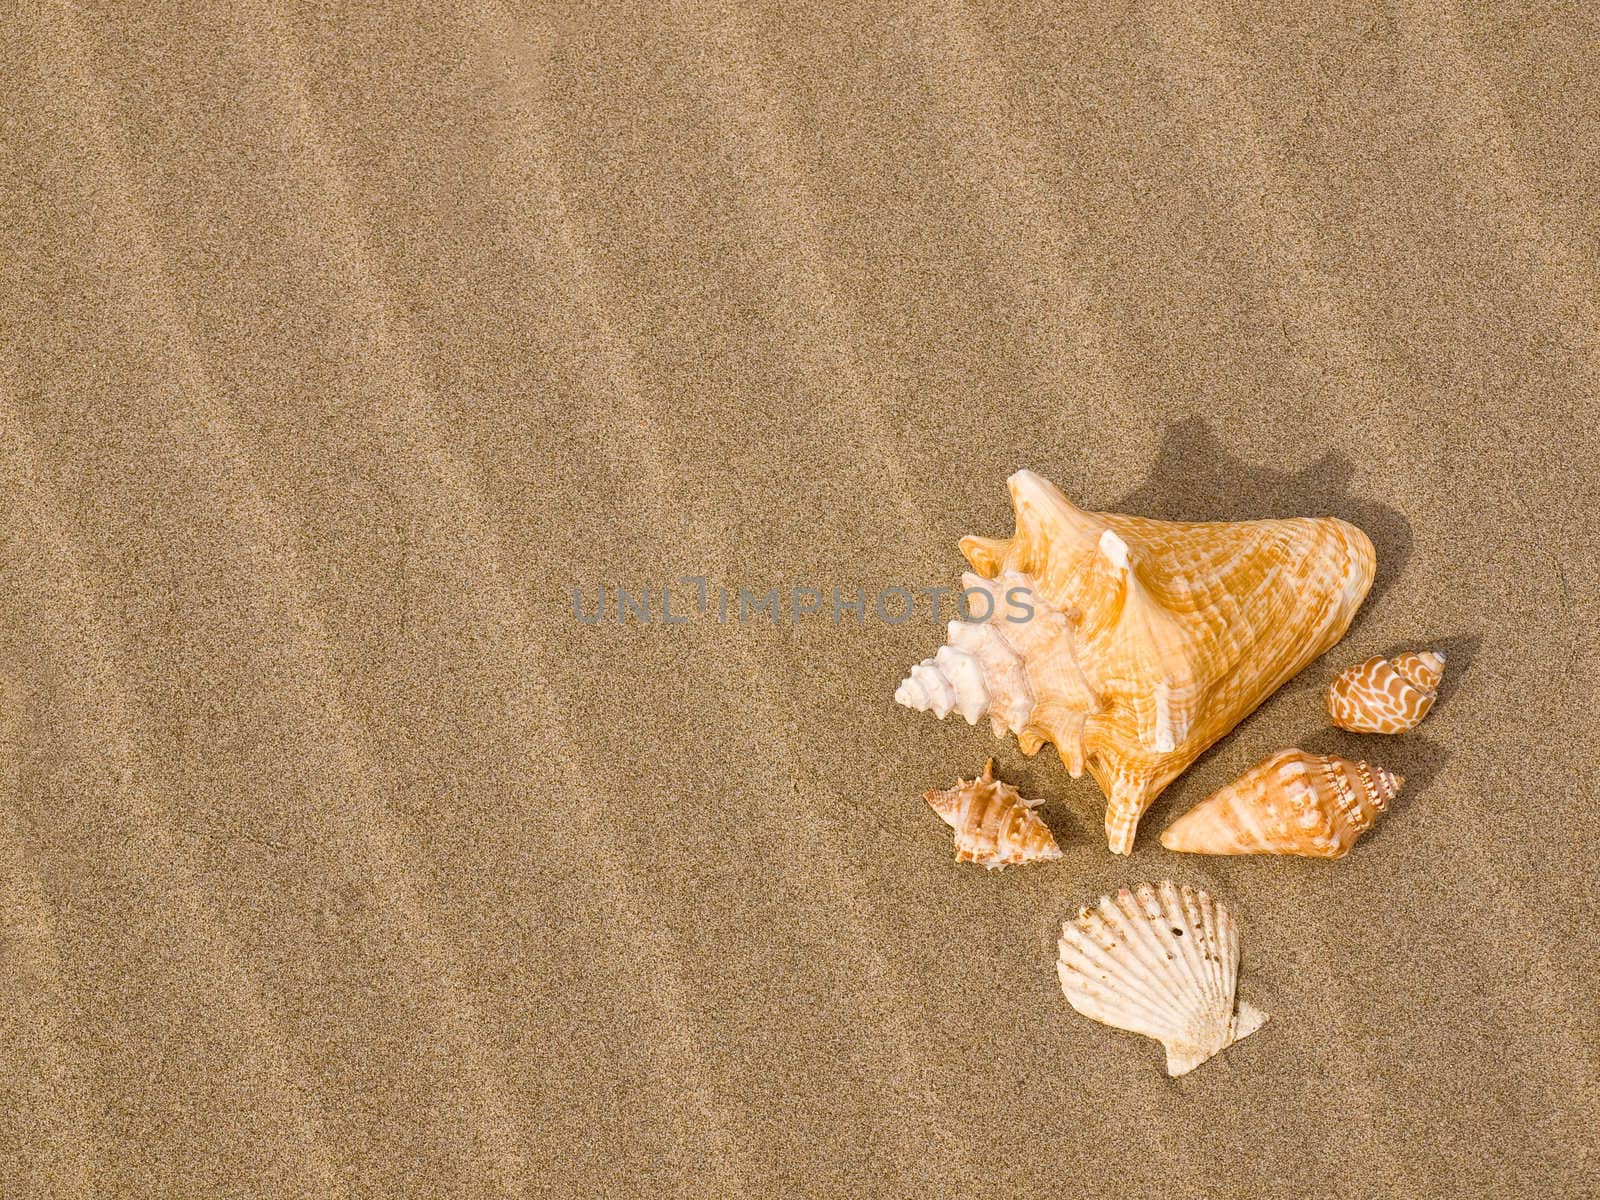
[
  {"x": 1131, "y": 644},
  {"x": 994, "y": 825},
  {"x": 1385, "y": 695},
  {"x": 1162, "y": 961},
  {"x": 1289, "y": 803}
]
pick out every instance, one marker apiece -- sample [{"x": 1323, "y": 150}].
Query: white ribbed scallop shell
[{"x": 1162, "y": 961}]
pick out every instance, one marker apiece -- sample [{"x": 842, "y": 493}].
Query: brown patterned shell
[
  {"x": 1291, "y": 803},
  {"x": 994, "y": 825},
  {"x": 1385, "y": 695}
]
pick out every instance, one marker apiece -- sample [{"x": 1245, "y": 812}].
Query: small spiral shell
[
  {"x": 1314, "y": 805},
  {"x": 995, "y": 827},
  {"x": 1385, "y": 695}
]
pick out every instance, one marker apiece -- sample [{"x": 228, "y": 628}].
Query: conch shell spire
[{"x": 1132, "y": 645}]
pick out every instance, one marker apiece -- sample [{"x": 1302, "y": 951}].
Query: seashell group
[
  {"x": 1162, "y": 961},
  {"x": 1131, "y": 644},
  {"x": 1290, "y": 803},
  {"x": 994, "y": 825},
  {"x": 1384, "y": 695}
]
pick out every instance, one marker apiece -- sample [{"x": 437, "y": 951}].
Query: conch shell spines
[
  {"x": 994, "y": 826},
  {"x": 1145, "y": 641}
]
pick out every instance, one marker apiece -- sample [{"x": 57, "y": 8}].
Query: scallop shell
[
  {"x": 1386, "y": 695},
  {"x": 1132, "y": 645},
  {"x": 1162, "y": 961},
  {"x": 1290, "y": 803},
  {"x": 994, "y": 825}
]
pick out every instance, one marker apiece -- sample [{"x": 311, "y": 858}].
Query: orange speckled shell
[
  {"x": 1291, "y": 803},
  {"x": 994, "y": 825},
  {"x": 1385, "y": 695}
]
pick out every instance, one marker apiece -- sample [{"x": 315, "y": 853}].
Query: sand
[{"x": 338, "y": 858}]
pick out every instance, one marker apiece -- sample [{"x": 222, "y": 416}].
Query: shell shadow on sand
[
  {"x": 1195, "y": 478},
  {"x": 1459, "y": 650}
]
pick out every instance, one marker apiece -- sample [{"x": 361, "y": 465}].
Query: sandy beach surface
[{"x": 340, "y": 858}]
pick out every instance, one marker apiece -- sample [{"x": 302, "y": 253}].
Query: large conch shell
[
  {"x": 1132, "y": 644},
  {"x": 1290, "y": 803},
  {"x": 1385, "y": 695},
  {"x": 1162, "y": 961},
  {"x": 994, "y": 825}
]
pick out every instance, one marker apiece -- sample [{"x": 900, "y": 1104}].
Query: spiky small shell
[
  {"x": 1131, "y": 645},
  {"x": 1291, "y": 802},
  {"x": 1386, "y": 695},
  {"x": 1162, "y": 961},
  {"x": 994, "y": 826}
]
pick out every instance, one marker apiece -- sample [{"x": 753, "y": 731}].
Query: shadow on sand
[
  {"x": 1459, "y": 650},
  {"x": 1195, "y": 478}
]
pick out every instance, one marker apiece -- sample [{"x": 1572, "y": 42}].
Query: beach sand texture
[{"x": 338, "y": 859}]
